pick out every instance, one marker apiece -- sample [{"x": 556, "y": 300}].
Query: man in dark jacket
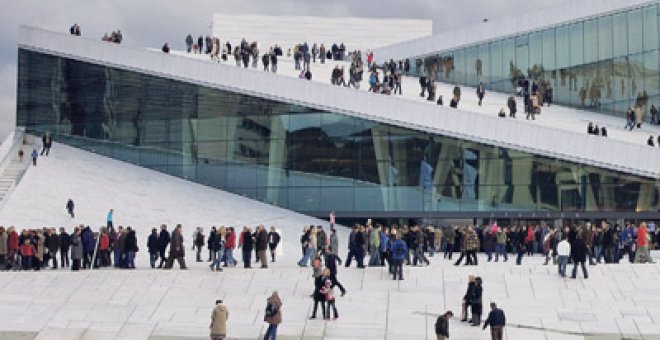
[
  {"x": 273, "y": 241},
  {"x": 88, "y": 244},
  {"x": 359, "y": 248},
  {"x": 131, "y": 248},
  {"x": 163, "y": 241},
  {"x": 475, "y": 302},
  {"x": 579, "y": 255},
  {"x": 331, "y": 261},
  {"x": 442, "y": 325},
  {"x": 247, "y": 245},
  {"x": 497, "y": 320},
  {"x": 152, "y": 247},
  {"x": 262, "y": 245},
  {"x": 53, "y": 244},
  {"x": 65, "y": 242},
  {"x": 177, "y": 251}
]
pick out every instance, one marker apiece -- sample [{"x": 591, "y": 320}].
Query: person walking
[
  {"x": 177, "y": 251},
  {"x": 481, "y": 92},
  {"x": 246, "y": 241},
  {"x": 110, "y": 218},
  {"x": 163, "y": 241},
  {"x": 219, "y": 318},
  {"x": 450, "y": 236},
  {"x": 579, "y": 256},
  {"x": 306, "y": 242},
  {"x": 496, "y": 320},
  {"x": 273, "y": 315},
  {"x": 152, "y": 247},
  {"x": 69, "y": 207},
  {"x": 331, "y": 261},
  {"x": 442, "y": 325},
  {"x": 47, "y": 142},
  {"x": 34, "y": 155},
  {"x": 273, "y": 241},
  {"x": 563, "y": 252},
  {"x": 329, "y": 293}
]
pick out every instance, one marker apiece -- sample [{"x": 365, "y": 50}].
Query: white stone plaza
[{"x": 617, "y": 301}]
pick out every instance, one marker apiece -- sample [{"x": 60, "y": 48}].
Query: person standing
[
  {"x": 476, "y": 302},
  {"x": 189, "y": 42},
  {"x": 131, "y": 248},
  {"x": 579, "y": 256},
  {"x": 246, "y": 241},
  {"x": 442, "y": 325},
  {"x": 466, "y": 297},
  {"x": 199, "y": 243},
  {"x": 329, "y": 293},
  {"x": 76, "y": 250},
  {"x": 65, "y": 242},
  {"x": 69, "y": 207},
  {"x": 563, "y": 252},
  {"x": 177, "y": 251},
  {"x": 262, "y": 245},
  {"x": 163, "y": 241},
  {"x": 219, "y": 318},
  {"x": 52, "y": 244},
  {"x": 273, "y": 315},
  {"x": 450, "y": 236},
  {"x": 4, "y": 248},
  {"x": 319, "y": 298},
  {"x": 497, "y": 320},
  {"x": 273, "y": 241},
  {"x": 481, "y": 92},
  {"x": 399, "y": 251}
]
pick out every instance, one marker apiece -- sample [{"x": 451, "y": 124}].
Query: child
[
  {"x": 27, "y": 252},
  {"x": 35, "y": 154},
  {"x": 329, "y": 293}
]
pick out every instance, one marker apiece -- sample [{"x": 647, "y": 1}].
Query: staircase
[{"x": 11, "y": 168}]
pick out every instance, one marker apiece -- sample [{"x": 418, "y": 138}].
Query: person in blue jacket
[{"x": 399, "y": 251}]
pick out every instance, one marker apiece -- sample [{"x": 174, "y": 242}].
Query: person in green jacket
[
  {"x": 500, "y": 246},
  {"x": 374, "y": 246}
]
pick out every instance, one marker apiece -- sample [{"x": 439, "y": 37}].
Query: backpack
[{"x": 271, "y": 310}]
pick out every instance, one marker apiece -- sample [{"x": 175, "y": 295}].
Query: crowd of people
[{"x": 409, "y": 245}]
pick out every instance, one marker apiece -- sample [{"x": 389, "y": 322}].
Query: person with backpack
[
  {"x": 219, "y": 318},
  {"x": 273, "y": 315},
  {"x": 399, "y": 250},
  {"x": 442, "y": 325}
]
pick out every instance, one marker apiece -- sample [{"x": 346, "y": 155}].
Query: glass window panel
[
  {"x": 635, "y": 34},
  {"x": 522, "y": 54},
  {"x": 605, "y": 37},
  {"x": 509, "y": 63},
  {"x": 619, "y": 35},
  {"x": 483, "y": 65},
  {"x": 497, "y": 76},
  {"x": 576, "y": 44},
  {"x": 591, "y": 41},
  {"x": 549, "y": 49},
  {"x": 536, "y": 52},
  {"x": 650, "y": 34}
]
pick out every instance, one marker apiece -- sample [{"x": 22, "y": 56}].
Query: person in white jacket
[{"x": 563, "y": 252}]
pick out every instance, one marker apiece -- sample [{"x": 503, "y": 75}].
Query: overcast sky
[{"x": 151, "y": 22}]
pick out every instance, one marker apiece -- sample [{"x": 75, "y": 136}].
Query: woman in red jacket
[
  {"x": 104, "y": 248},
  {"x": 12, "y": 247},
  {"x": 529, "y": 240},
  {"x": 27, "y": 252}
]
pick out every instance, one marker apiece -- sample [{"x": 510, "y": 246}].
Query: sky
[{"x": 151, "y": 22}]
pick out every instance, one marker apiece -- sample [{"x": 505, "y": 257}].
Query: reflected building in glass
[
  {"x": 606, "y": 63},
  {"x": 306, "y": 159}
]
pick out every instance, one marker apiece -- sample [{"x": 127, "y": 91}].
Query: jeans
[
  {"x": 397, "y": 268},
  {"x": 117, "y": 254},
  {"x": 152, "y": 259},
  {"x": 563, "y": 260},
  {"x": 216, "y": 258},
  {"x": 431, "y": 251},
  {"x": 229, "y": 257},
  {"x": 500, "y": 250},
  {"x": 374, "y": 260},
  {"x": 130, "y": 257},
  {"x": 598, "y": 253},
  {"x": 271, "y": 333},
  {"x": 306, "y": 258},
  {"x": 584, "y": 269},
  {"x": 359, "y": 257}
]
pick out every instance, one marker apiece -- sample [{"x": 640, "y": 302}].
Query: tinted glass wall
[
  {"x": 606, "y": 63},
  {"x": 301, "y": 158}
]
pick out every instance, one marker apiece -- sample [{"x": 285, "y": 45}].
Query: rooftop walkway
[{"x": 559, "y": 132}]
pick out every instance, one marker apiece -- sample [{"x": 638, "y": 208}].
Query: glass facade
[
  {"x": 606, "y": 63},
  {"x": 301, "y": 158}
]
